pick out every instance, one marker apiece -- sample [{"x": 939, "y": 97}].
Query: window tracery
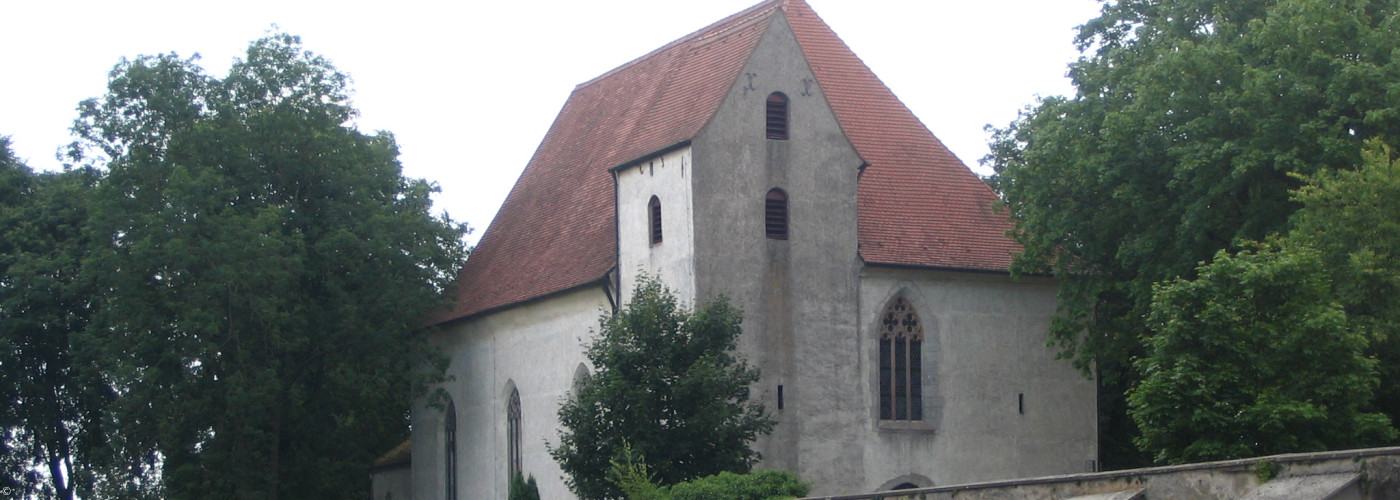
[
  {"x": 901, "y": 372},
  {"x": 513, "y": 431}
]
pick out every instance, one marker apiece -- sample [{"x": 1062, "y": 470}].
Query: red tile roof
[
  {"x": 400, "y": 455},
  {"x": 918, "y": 205}
]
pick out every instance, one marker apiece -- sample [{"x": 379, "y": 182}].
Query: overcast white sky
[{"x": 469, "y": 88}]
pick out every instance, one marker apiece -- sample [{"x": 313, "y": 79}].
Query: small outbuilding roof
[{"x": 400, "y": 455}]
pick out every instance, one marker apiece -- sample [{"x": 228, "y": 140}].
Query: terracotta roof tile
[
  {"x": 400, "y": 455},
  {"x": 556, "y": 229},
  {"x": 918, "y": 204}
]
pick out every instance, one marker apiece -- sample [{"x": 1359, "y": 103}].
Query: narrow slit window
[
  {"x": 449, "y": 446},
  {"x": 900, "y": 366},
  {"x": 654, "y": 209},
  {"x": 775, "y": 214},
  {"x": 777, "y": 116}
]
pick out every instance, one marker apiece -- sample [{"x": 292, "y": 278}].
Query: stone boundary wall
[{"x": 1371, "y": 474}]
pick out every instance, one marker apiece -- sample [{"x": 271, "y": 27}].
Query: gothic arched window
[
  {"x": 777, "y": 116},
  {"x": 901, "y": 343},
  {"x": 449, "y": 446},
  {"x": 775, "y": 214},
  {"x": 513, "y": 431},
  {"x": 654, "y": 219},
  {"x": 581, "y": 377}
]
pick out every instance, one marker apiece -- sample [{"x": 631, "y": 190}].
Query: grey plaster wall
[
  {"x": 1000, "y": 406},
  {"x": 535, "y": 348},
  {"x": 997, "y": 404},
  {"x": 799, "y": 294},
  {"x": 666, "y": 176},
  {"x": 392, "y": 483}
]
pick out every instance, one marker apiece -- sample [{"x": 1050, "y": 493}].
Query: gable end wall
[{"x": 798, "y": 295}]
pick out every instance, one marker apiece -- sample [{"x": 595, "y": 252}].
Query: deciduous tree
[
  {"x": 260, "y": 263},
  {"x": 1353, "y": 218},
  {"x": 1254, "y": 356},
  {"x": 50, "y": 419},
  {"x": 667, "y": 384},
  {"x": 1189, "y": 119},
  {"x": 1277, "y": 348}
]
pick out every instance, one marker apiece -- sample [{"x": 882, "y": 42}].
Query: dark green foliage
[
  {"x": 523, "y": 489},
  {"x": 1253, "y": 357},
  {"x": 259, "y": 265},
  {"x": 1276, "y": 349},
  {"x": 758, "y": 485},
  {"x": 1353, "y": 218},
  {"x": 51, "y": 422},
  {"x": 667, "y": 384},
  {"x": 16, "y": 191},
  {"x": 636, "y": 482},
  {"x": 1189, "y": 121},
  {"x": 633, "y": 477},
  {"x": 1266, "y": 471}
]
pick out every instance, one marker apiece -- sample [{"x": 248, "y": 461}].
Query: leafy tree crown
[{"x": 667, "y": 384}]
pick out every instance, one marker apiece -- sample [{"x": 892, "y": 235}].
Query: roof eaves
[
  {"x": 400, "y": 456},
  {"x": 603, "y": 280},
  {"x": 633, "y": 162},
  {"x": 900, "y": 265}
]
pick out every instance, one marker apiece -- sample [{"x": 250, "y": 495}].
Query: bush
[
  {"x": 523, "y": 489},
  {"x": 631, "y": 474},
  {"x": 759, "y": 485}
]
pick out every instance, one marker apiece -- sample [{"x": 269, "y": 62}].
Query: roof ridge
[
  {"x": 787, "y": 4},
  {"x": 722, "y": 27},
  {"x": 917, "y": 204}
]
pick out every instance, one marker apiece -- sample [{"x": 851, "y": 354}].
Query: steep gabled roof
[
  {"x": 918, "y": 205},
  {"x": 556, "y": 229}
]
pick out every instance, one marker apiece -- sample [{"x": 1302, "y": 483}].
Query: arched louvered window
[
  {"x": 777, "y": 114},
  {"x": 513, "y": 431},
  {"x": 654, "y": 219},
  {"x": 775, "y": 214},
  {"x": 901, "y": 345},
  {"x": 449, "y": 447}
]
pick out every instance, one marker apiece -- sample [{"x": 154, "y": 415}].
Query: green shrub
[
  {"x": 631, "y": 474},
  {"x": 523, "y": 489},
  {"x": 758, "y": 485},
  {"x": 1266, "y": 471}
]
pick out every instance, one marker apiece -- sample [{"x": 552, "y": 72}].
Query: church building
[{"x": 759, "y": 158}]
